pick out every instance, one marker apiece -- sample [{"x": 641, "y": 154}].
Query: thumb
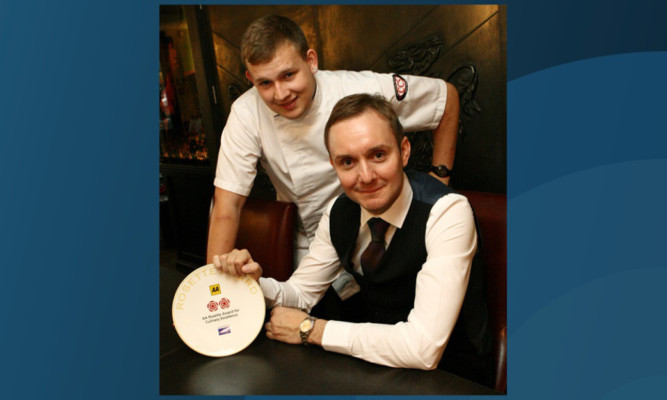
[{"x": 253, "y": 269}]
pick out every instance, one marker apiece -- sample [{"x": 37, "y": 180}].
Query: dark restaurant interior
[{"x": 200, "y": 76}]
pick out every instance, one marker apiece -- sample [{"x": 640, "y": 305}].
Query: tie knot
[{"x": 378, "y": 228}]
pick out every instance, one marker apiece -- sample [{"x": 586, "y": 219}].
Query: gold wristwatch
[{"x": 305, "y": 328}]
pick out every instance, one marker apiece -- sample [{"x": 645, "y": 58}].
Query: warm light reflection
[
  {"x": 182, "y": 134},
  {"x": 191, "y": 147}
]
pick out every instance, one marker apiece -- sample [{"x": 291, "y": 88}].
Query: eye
[
  {"x": 264, "y": 83},
  {"x": 380, "y": 155},
  {"x": 346, "y": 162}
]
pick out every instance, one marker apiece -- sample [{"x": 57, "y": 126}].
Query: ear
[
  {"x": 405, "y": 151},
  {"x": 248, "y": 77},
  {"x": 311, "y": 58}
]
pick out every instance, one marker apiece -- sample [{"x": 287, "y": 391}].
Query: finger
[
  {"x": 250, "y": 268},
  {"x": 231, "y": 263},
  {"x": 236, "y": 259},
  {"x": 239, "y": 262},
  {"x": 216, "y": 261},
  {"x": 224, "y": 264},
  {"x": 241, "y": 259},
  {"x": 226, "y": 261},
  {"x": 245, "y": 254}
]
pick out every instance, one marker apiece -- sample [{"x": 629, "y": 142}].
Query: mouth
[
  {"x": 289, "y": 105},
  {"x": 369, "y": 191}
]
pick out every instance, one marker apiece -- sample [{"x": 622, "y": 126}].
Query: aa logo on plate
[{"x": 215, "y": 289}]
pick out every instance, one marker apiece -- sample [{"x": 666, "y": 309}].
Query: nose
[
  {"x": 281, "y": 93},
  {"x": 366, "y": 173}
]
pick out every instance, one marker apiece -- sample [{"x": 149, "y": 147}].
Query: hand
[
  {"x": 238, "y": 262},
  {"x": 284, "y": 325},
  {"x": 444, "y": 180}
]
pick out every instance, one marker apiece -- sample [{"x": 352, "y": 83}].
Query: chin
[
  {"x": 292, "y": 114},
  {"x": 374, "y": 207}
]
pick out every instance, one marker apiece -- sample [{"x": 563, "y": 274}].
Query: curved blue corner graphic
[{"x": 585, "y": 114}]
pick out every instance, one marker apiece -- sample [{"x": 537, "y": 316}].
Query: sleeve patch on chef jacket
[{"x": 400, "y": 87}]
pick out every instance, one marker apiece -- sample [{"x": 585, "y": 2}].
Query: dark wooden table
[{"x": 268, "y": 367}]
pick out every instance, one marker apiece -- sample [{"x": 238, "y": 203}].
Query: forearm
[
  {"x": 403, "y": 345},
  {"x": 317, "y": 270},
  {"x": 284, "y": 294},
  {"x": 223, "y": 223},
  {"x": 446, "y": 134},
  {"x": 221, "y": 236}
]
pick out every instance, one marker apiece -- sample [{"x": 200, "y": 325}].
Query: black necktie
[{"x": 371, "y": 257}]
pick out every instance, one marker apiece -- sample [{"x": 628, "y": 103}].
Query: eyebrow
[
  {"x": 378, "y": 148},
  {"x": 281, "y": 73},
  {"x": 381, "y": 147}
]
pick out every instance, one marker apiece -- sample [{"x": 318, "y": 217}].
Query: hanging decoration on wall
[
  {"x": 417, "y": 60},
  {"x": 465, "y": 80}
]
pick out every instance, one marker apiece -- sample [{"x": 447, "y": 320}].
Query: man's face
[
  {"x": 368, "y": 161},
  {"x": 286, "y": 83}
]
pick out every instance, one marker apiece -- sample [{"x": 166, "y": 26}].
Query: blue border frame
[{"x": 587, "y": 155}]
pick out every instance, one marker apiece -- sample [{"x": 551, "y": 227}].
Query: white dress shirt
[
  {"x": 450, "y": 240},
  {"x": 292, "y": 151}
]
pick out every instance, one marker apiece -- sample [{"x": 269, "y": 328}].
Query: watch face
[
  {"x": 441, "y": 171},
  {"x": 306, "y": 325}
]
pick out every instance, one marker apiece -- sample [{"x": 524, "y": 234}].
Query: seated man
[{"x": 412, "y": 288}]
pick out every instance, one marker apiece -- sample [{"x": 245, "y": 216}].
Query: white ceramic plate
[{"x": 217, "y": 314}]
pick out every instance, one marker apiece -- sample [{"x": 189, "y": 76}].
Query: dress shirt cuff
[
  {"x": 270, "y": 288},
  {"x": 336, "y": 336}
]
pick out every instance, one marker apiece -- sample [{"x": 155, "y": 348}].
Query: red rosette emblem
[
  {"x": 212, "y": 306},
  {"x": 400, "y": 87},
  {"x": 224, "y": 303}
]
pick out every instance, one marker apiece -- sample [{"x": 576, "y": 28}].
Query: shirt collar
[{"x": 396, "y": 214}]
